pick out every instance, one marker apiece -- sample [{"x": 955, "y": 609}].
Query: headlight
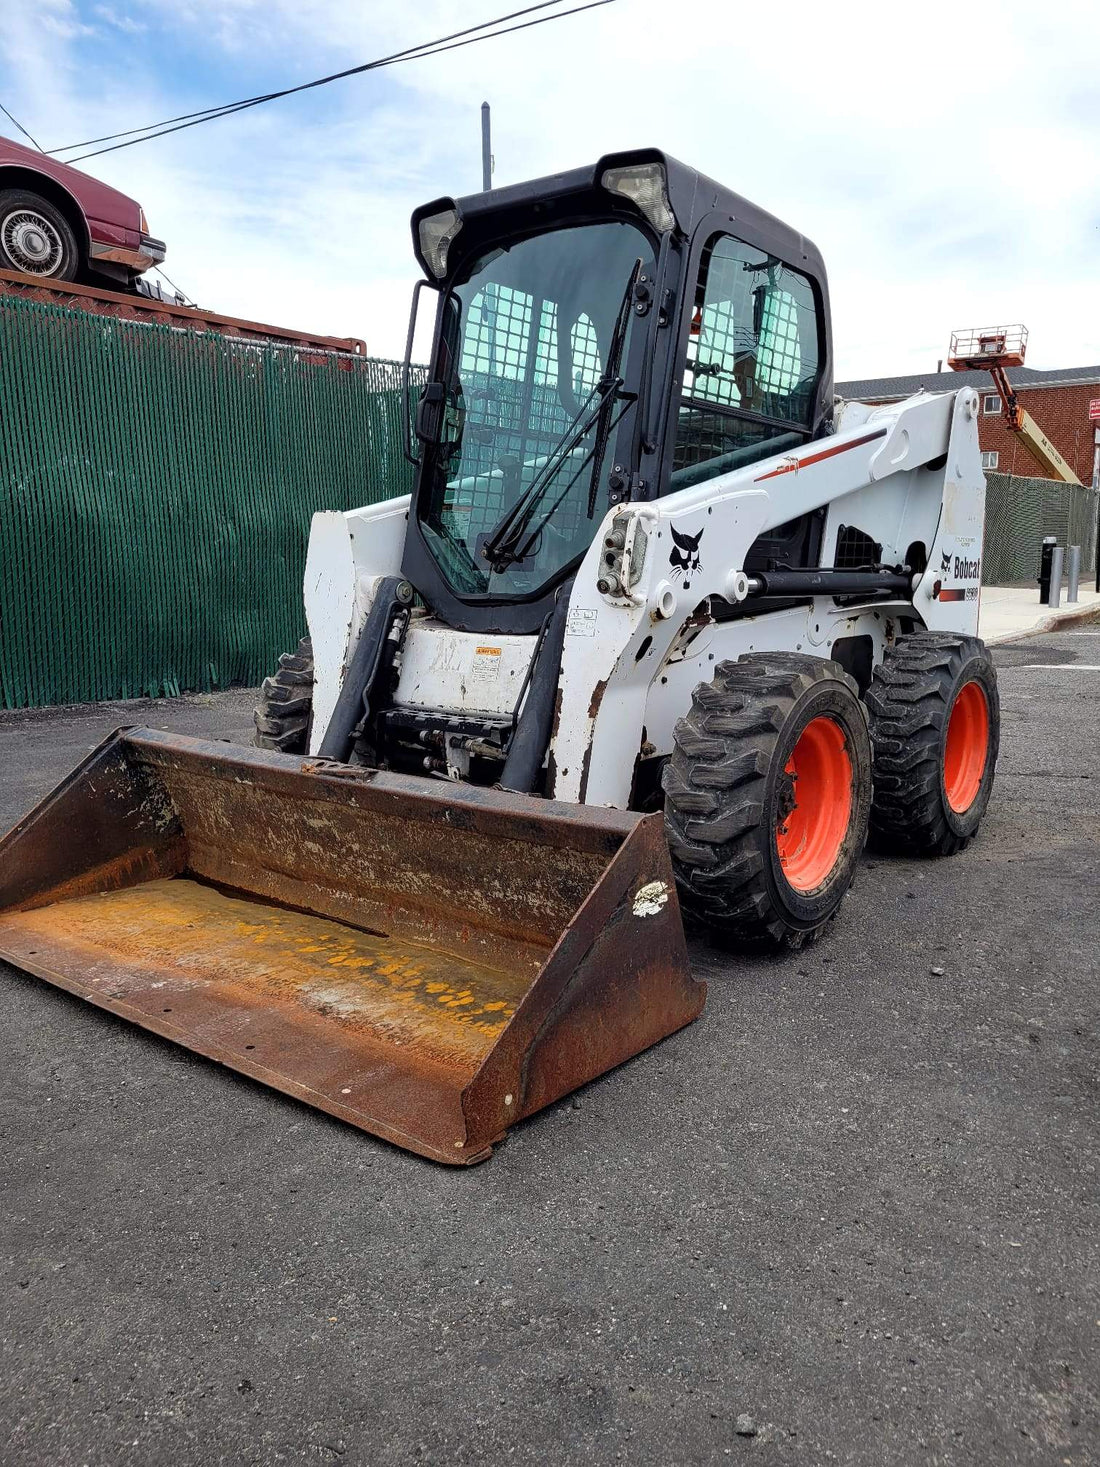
[
  {"x": 436, "y": 233},
  {"x": 644, "y": 184}
]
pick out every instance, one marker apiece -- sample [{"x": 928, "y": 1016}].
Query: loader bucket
[{"x": 429, "y": 961}]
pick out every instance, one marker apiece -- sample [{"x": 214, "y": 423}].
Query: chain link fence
[
  {"x": 156, "y": 490},
  {"x": 1019, "y": 512}
]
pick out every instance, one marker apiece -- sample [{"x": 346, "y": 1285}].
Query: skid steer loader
[{"x": 661, "y": 623}]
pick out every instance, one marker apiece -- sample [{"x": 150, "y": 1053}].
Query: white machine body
[{"x": 905, "y": 474}]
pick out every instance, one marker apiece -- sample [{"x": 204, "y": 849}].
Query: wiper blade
[
  {"x": 502, "y": 548},
  {"x": 594, "y": 456},
  {"x": 504, "y": 535}
]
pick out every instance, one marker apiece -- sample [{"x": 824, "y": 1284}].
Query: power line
[
  {"x": 182, "y": 294},
  {"x": 428, "y": 48},
  {"x": 209, "y": 112},
  {"x": 412, "y": 53},
  {"x": 20, "y": 126}
]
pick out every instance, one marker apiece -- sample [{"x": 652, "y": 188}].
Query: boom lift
[
  {"x": 995, "y": 348},
  {"x": 661, "y": 623}
]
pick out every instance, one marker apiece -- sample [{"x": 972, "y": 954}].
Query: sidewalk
[{"x": 1008, "y": 612}]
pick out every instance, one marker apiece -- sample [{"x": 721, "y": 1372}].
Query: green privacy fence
[
  {"x": 156, "y": 489},
  {"x": 1019, "y": 512}
]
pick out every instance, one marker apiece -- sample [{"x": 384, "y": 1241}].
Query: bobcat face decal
[
  {"x": 946, "y": 558},
  {"x": 684, "y": 555}
]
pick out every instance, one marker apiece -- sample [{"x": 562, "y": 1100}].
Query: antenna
[{"x": 486, "y": 149}]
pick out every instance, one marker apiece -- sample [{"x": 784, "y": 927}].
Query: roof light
[
  {"x": 436, "y": 233},
  {"x": 645, "y": 185}
]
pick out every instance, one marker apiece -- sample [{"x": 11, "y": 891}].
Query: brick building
[{"x": 1057, "y": 400}]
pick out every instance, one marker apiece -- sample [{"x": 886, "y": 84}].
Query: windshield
[{"x": 525, "y": 344}]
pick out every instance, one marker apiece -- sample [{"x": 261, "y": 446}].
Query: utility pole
[{"x": 486, "y": 150}]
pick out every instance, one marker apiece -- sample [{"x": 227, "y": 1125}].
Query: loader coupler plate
[{"x": 430, "y": 963}]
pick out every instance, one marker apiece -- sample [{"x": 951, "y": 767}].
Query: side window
[{"x": 753, "y": 349}]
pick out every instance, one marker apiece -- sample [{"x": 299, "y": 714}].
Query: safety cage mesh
[{"x": 515, "y": 404}]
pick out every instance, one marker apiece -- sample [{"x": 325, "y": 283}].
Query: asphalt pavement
[{"x": 850, "y": 1216}]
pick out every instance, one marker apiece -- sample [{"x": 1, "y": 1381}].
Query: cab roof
[{"x": 570, "y": 197}]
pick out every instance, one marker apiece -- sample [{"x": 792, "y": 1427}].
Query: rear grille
[{"x": 855, "y": 549}]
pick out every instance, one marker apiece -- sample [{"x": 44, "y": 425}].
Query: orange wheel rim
[
  {"x": 810, "y": 834},
  {"x": 967, "y": 748}
]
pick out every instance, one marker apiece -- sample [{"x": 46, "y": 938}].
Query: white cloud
[
  {"x": 125, "y": 23},
  {"x": 942, "y": 158}
]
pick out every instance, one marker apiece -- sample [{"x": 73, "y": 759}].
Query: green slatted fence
[
  {"x": 1020, "y": 511},
  {"x": 156, "y": 489}
]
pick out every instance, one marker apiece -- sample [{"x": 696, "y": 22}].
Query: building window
[
  {"x": 990, "y": 458},
  {"x": 991, "y": 403}
]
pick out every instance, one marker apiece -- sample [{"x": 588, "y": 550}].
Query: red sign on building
[{"x": 1094, "y": 410}]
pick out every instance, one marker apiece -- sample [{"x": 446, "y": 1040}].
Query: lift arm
[{"x": 1020, "y": 422}]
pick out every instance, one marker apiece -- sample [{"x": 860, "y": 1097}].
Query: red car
[{"x": 59, "y": 224}]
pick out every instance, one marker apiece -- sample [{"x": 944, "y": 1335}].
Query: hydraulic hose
[
  {"x": 529, "y": 742},
  {"x": 351, "y": 705}
]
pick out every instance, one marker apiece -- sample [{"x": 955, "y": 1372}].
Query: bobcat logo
[
  {"x": 685, "y": 554},
  {"x": 945, "y": 557}
]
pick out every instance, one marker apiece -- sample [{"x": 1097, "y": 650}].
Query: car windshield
[{"x": 525, "y": 342}]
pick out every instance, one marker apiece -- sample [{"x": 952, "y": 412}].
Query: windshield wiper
[{"x": 503, "y": 547}]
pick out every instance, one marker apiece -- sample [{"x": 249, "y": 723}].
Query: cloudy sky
[{"x": 943, "y": 156}]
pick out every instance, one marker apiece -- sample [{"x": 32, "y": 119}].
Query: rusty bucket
[{"x": 431, "y": 962}]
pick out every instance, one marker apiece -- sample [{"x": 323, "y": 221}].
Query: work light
[
  {"x": 643, "y": 184},
  {"x": 436, "y": 233}
]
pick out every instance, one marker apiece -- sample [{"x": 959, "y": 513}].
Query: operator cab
[{"x": 612, "y": 333}]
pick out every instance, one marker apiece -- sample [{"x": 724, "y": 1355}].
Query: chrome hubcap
[{"x": 31, "y": 243}]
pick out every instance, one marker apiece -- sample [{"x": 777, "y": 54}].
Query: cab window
[{"x": 753, "y": 363}]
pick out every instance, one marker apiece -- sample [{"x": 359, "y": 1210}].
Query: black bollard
[{"x": 1049, "y": 542}]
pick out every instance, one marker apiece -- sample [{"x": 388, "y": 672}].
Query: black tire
[
  {"x": 285, "y": 711},
  {"x": 35, "y": 237},
  {"x": 912, "y": 696},
  {"x": 730, "y": 797}
]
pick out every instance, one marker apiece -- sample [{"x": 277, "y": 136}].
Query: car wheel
[{"x": 35, "y": 237}]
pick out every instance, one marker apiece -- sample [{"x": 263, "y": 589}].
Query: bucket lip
[{"x": 559, "y": 821}]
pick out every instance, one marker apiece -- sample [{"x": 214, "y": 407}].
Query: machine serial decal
[
  {"x": 581, "y": 622},
  {"x": 684, "y": 555},
  {"x": 954, "y": 593}
]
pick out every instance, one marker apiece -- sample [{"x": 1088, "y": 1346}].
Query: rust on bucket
[{"x": 430, "y": 963}]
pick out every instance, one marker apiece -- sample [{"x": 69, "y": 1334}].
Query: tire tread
[
  {"x": 283, "y": 715},
  {"x": 909, "y": 701},
  {"x": 714, "y": 786}
]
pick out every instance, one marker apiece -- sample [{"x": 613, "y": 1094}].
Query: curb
[{"x": 1052, "y": 623}]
